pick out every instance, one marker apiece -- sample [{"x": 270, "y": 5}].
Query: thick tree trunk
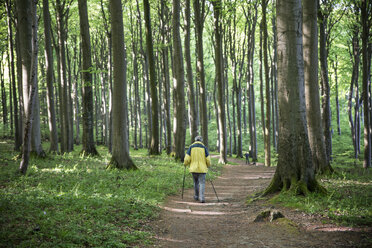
[
  {"x": 267, "y": 89},
  {"x": 217, "y": 8},
  {"x": 120, "y": 149},
  {"x": 179, "y": 125},
  {"x": 199, "y": 26},
  {"x": 190, "y": 81},
  {"x": 315, "y": 128},
  {"x": 27, "y": 23},
  {"x": 88, "y": 140},
  {"x": 295, "y": 170},
  {"x": 50, "y": 79}
]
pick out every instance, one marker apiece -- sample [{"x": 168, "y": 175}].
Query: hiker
[
  {"x": 197, "y": 157},
  {"x": 247, "y": 158}
]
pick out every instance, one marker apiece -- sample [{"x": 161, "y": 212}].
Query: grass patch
[{"x": 73, "y": 201}]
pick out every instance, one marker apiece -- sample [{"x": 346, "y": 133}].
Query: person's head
[{"x": 199, "y": 138}]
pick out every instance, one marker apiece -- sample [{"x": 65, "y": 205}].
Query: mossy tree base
[
  {"x": 114, "y": 164},
  {"x": 294, "y": 186}
]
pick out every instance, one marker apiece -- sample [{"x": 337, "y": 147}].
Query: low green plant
[{"x": 73, "y": 201}]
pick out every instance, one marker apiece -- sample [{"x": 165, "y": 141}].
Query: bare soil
[{"x": 230, "y": 222}]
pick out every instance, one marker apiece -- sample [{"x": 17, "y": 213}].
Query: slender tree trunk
[
  {"x": 179, "y": 126},
  {"x": 366, "y": 8},
  {"x": 200, "y": 73},
  {"x": 50, "y": 78},
  {"x": 120, "y": 149},
  {"x": 3, "y": 94},
  {"x": 217, "y": 8},
  {"x": 267, "y": 89},
  {"x": 154, "y": 146},
  {"x": 335, "y": 68},
  {"x": 88, "y": 140},
  {"x": 190, "y": 83},
  {"x": 17, "y": 131},
  {"x": 326, "y": 106},
  {"x": 65, "y": 127},
  {"x": 166, "y": 78},
  {"x": 262, "y": 99},
  {"x": 314, "y": 127}
]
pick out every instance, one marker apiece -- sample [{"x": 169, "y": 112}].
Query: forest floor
[{"x": 230, "y": 222}]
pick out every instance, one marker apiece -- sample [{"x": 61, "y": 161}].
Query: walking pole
[
  {"x": 183, "y": 183},
  {"x": 214, "y": 190}
]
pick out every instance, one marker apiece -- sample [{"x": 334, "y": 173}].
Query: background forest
[
  {"x": 249, "y": 80},
  {"x": 93, "y": 85}
]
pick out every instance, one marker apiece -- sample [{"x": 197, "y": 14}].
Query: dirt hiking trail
[{"x": 230, "y": 222}]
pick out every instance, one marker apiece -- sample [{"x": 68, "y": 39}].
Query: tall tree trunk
[
  {"x": 326, "y": 105},
  {"x": 190, "y": 83},
  {"x": 88, "y": 140},
  {"x": 50, "y": 79},
  {"x": 217, "y": 8},
  {"x": 314, "y": 127},
  {"x": 166, "y": 79},
  {"x": 366, "y": 26},
  {"x": 267, "y": 89},
  {"x": 17, "y": 131},
  {"x": 154, "y": 146},
  {"x": 22, "y": 113},
  {"x": 294, "y": 171},
  {"x": 64, "y": 115},
  {"x": 179, "y": 126},
  {"x": 199, "y": 7},
  {"x": 27, "y": 24},
  {"x": 262, "y": 99},
  {"x": 120, "y": 149}
]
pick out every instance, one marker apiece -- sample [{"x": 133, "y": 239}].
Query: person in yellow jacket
[{"x": 198, "y": 160}]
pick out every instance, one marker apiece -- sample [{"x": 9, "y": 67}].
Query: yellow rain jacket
[{"x": 197, "y": 157}]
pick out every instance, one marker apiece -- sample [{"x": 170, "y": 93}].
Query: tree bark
[
  {"x": 50, "y": 79},
  {"x": 120, "y": 149},
  {"x": 366, "y": 8},
  {"x": 17, "y": 131},
  {"x": 190, "y": 81},
  {"x": 64, "y": 113},
  {"x": 166, "y": 79},
  {"x": 294, "y": 171},
  {"x": 267, "y": 89},
  {"x": 335, "y": 68},
  {"x": 326, "y": 105},
  {"x": 154, "y": 146},
  {"x": 179, "y": 125},
  {"x": 217, "y": 8},
  {"x": 27, "y": 21},
  {"x": 88, "y": 140},
  {"x": 200, "y": 73},
  {"x": 315, "y": 128}
]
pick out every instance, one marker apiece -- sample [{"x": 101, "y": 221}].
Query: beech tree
[
  {"x": 120, "y": 149},
  {"x": 295, "y": 168},
  {"x": 179, "y": 121},
  {"x": 88, "y": 140}
]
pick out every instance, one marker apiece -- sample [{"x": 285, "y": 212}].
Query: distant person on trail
[
  {"x": 246, "y": 158},
  {"x": 197, "y": 157}
]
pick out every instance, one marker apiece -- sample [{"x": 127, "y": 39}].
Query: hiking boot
[
  {"x": 196, "y": 198},
  {"x": 202, "y": 201}
]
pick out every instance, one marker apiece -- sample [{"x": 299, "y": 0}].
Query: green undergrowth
[
  {"x": 73, "y": 201},
  {"x": 349, "y": 190}
]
